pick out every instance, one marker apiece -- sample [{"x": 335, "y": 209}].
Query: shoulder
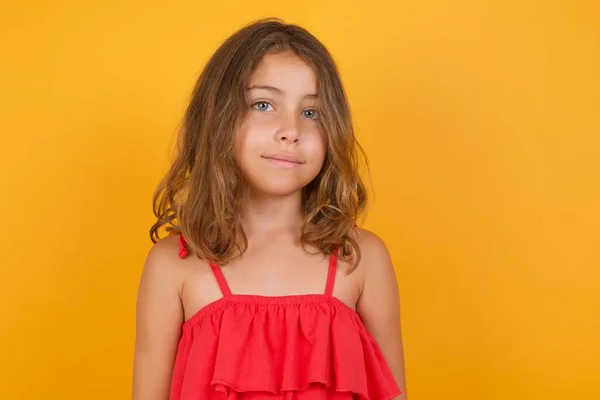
[
  {"x": 165, "y": 250},
  {"x": 375, "y": 262},
  {"x": 369, "y": 241},
  {"x": 167, "y": 275},
  {"x": 372, "y": 248},
  {"x": 162, "y": 261}
]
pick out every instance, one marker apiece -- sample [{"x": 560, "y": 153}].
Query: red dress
[{"x": 300, "y": 347}]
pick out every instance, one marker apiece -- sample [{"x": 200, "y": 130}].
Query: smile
[{"x": 284, "y": 163}]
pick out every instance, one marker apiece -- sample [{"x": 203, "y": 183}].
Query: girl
[{"x": 265, "y": 288}]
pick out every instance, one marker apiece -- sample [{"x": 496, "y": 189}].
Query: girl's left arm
[{"x": 379, "y": 303}]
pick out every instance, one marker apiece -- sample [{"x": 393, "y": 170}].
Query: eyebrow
[{"x": 278, "y": 91}]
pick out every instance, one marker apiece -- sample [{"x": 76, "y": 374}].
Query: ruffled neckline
[{"x": 295, "y": 299}]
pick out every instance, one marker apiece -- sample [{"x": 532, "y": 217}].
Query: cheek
[
  {"x": 238, "y": 144},
  {"x": 248, "y": 142},
  {"x": 317, "y": 147},
  {"x": 250, "y": 135}
]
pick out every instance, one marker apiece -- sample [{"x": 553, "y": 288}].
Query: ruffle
[{"x": 294, "y": 347}]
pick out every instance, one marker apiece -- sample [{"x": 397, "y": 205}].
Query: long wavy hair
[{"x": 201, "y": 195}]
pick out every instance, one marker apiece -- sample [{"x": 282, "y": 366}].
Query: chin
[{"x": 279, "y": 189}]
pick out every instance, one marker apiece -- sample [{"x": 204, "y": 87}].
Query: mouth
[{"x": 285, "y": 162}]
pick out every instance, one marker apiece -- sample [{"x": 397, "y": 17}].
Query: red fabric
[
  {"x": 183, "y": 251},
  {"x": 302, "y": 347}
]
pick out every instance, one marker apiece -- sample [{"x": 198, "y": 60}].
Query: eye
[
  {"x": 311, "y": 114},
  {"x": 262, "y": 106}
]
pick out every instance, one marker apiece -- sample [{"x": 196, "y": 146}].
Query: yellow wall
[{"x": 481, "y": 120}]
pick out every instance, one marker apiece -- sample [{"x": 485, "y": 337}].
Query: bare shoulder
[
  {"x": 166, "y": 248},
  {"x": 190, "y": 279},
  {"x": 375, "y": 256},
  {"x": 370, "y": 243},
  {"x": 163, "y": 263}
]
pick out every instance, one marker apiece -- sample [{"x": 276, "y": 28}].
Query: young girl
[{"x": 265, "y": 288}]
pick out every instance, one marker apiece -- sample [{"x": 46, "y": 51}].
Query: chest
[{"x": 270, "y": 269}]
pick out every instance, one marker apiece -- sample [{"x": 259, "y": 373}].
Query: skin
[{"x": 283, "y": 120}]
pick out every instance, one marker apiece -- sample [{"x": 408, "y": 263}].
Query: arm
[
  {"x": 379, "y": 304},
  {"x": 159, "y": 317}
]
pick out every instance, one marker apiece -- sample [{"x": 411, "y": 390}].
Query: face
[{"x": 280, "y": 146}]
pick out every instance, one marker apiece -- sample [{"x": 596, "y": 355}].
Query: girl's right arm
[{"x": 159, "y": 317}]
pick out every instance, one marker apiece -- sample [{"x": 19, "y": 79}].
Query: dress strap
[
  {"x": 331, "y": 274},
  {"x": 220, "y": 280},
  {"x": 183, "y": 251}
]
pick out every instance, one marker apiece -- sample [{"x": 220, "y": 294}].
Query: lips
[
  {"x": 284, "y": 161},
  {"x": 283, "y": 158}
]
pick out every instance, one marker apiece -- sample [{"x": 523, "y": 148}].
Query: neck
[{"x": 264, "y": 214}]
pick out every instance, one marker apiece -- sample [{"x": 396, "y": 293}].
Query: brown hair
[{"x": 201, "y": 194}]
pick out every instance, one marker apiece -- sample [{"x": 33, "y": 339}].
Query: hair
[{"x": 202, "y": 193}]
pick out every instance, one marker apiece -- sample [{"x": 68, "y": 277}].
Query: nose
[{"x": 289, "y": 129}]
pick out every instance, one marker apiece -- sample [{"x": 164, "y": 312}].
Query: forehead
[{"x": 284, "y": 70}]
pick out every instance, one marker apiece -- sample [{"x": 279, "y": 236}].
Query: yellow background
[{"x": 481, "y": 121}]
